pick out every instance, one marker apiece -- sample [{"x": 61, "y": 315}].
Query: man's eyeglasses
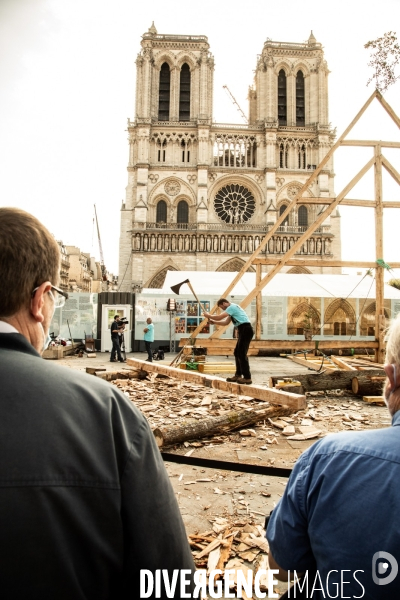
[{"x": 59, "y": 297}]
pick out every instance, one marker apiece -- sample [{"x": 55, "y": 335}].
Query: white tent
[{"x": 206, "y": 283}]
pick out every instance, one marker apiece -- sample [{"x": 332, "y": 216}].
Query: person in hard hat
[
  {"x": 233, "y": 313},
  {"x": 86, "y": 505}
]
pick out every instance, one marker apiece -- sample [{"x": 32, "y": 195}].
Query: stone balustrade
[{"x": 196, "y": 241}]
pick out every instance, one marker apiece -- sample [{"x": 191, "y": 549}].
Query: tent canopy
[{"x": 206, "y": 283}]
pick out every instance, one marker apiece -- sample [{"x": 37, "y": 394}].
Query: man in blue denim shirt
[{"x": 337, "y": 521}]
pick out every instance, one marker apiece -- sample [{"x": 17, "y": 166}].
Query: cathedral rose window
[{"x": 234, "y": 204}]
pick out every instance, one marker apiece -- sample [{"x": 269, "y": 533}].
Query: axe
[{"x": 177, "y": 287}]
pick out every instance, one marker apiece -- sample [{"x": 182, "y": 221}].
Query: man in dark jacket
[
  {"x": 85, "y": 501},
  {"x": 116, "y": 329}
]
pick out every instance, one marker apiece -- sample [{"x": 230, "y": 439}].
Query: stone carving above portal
[
  {"x": 293, "y": 190},
  {"x": 172, "y": 187}
]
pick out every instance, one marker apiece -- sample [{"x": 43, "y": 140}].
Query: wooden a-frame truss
[{"x": 377, "y": 161}]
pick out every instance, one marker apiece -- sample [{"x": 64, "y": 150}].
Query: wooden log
[
  {"x": 333, "y": 380},
  {"x": 364, "y": 385},
  {"x": 294, "y": 401},
  {"x": 230, "y": 421}
]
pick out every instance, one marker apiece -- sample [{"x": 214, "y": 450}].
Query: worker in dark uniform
[{"x": 116, "y": 348}]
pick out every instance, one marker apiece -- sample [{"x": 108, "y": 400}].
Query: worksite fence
[{"x": 283, "y": 317}]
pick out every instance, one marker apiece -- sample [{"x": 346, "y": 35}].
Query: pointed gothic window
[
  {"x": 283, "y": 157},
  {"x": 282, "y": 98},
  {"x": 161, "y": 149},
  {"x": 164, "y": 93},
  {"x": 161, "y": 216},
  {"x": 300, "y": 105},
  {"x": 302, "y": 157},
  {"x": 183, "y": 212},
  {"x": 185, "y": 151},
  {"x": 282, "y": 209},
  {"x": 184, "y": 94},
  {"x": 302, "y": 216}
]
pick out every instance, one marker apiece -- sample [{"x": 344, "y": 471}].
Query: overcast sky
[{"x": 67, "y": 72}]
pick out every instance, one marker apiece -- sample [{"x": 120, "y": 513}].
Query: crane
[
  {"x": 102, "y": 265},
  {"x": 228, "y": 91}
]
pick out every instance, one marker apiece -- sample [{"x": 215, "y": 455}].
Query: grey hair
[{"x": 393, "y": 342}]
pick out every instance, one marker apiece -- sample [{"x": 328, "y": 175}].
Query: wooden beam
[
  {"x": 350, "y": 202},
  {"x": 388, "y": 109},
  {"x": 312, "y": 200},
  {"x": 292, "y": 205},
  {"x": 311, "y": 364},
  {"x": 391, "y": 170},
  {"x": 229, "y": 344},
  {"x": 371, "y": 143},
  {"x": 258, "y": 304},
  {"x": 315, "y": 262},
  {"x": 369, "y": 203},
  {"x": 300, "y": 241},
  {"x": 390, "y": 204},
  {"x": 379, "y": 271},
  {"x": 295, "y": 401},
  {"x": 342, "y": 364}
]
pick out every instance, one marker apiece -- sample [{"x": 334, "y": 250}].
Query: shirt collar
[
  {"x": 396, "y": 418},
  {"x": 6, "y": 328}
]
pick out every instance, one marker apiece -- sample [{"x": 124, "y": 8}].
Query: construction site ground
[{"x": 208, "y": 497}]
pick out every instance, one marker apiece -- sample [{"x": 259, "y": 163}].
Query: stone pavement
[{"x": 262, "y": 368}]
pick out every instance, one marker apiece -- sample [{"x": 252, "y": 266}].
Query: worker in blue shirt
[
  {"x": 149, "y": 339},
  {"x": 336, "y": 522},
  {"x": 233, "y": 313}
]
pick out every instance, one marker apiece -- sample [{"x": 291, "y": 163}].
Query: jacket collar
[{"x": 17, "y": 342}]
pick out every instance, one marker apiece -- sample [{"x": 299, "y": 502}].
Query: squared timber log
[{"x": 293, "y": 401}]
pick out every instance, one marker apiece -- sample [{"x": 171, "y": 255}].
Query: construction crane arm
[
  {"x": 228, "y": 91},
  {"x": 102, "y": 265}
]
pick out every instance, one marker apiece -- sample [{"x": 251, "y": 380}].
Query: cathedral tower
[{"x": 202, "y": 195}]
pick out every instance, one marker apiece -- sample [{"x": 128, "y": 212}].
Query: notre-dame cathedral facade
[{"x": 201, "y": 195}]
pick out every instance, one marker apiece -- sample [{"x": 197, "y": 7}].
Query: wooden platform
[
  {"x": 293, "y": 401},
  {"x": 225, "y": 347}
]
